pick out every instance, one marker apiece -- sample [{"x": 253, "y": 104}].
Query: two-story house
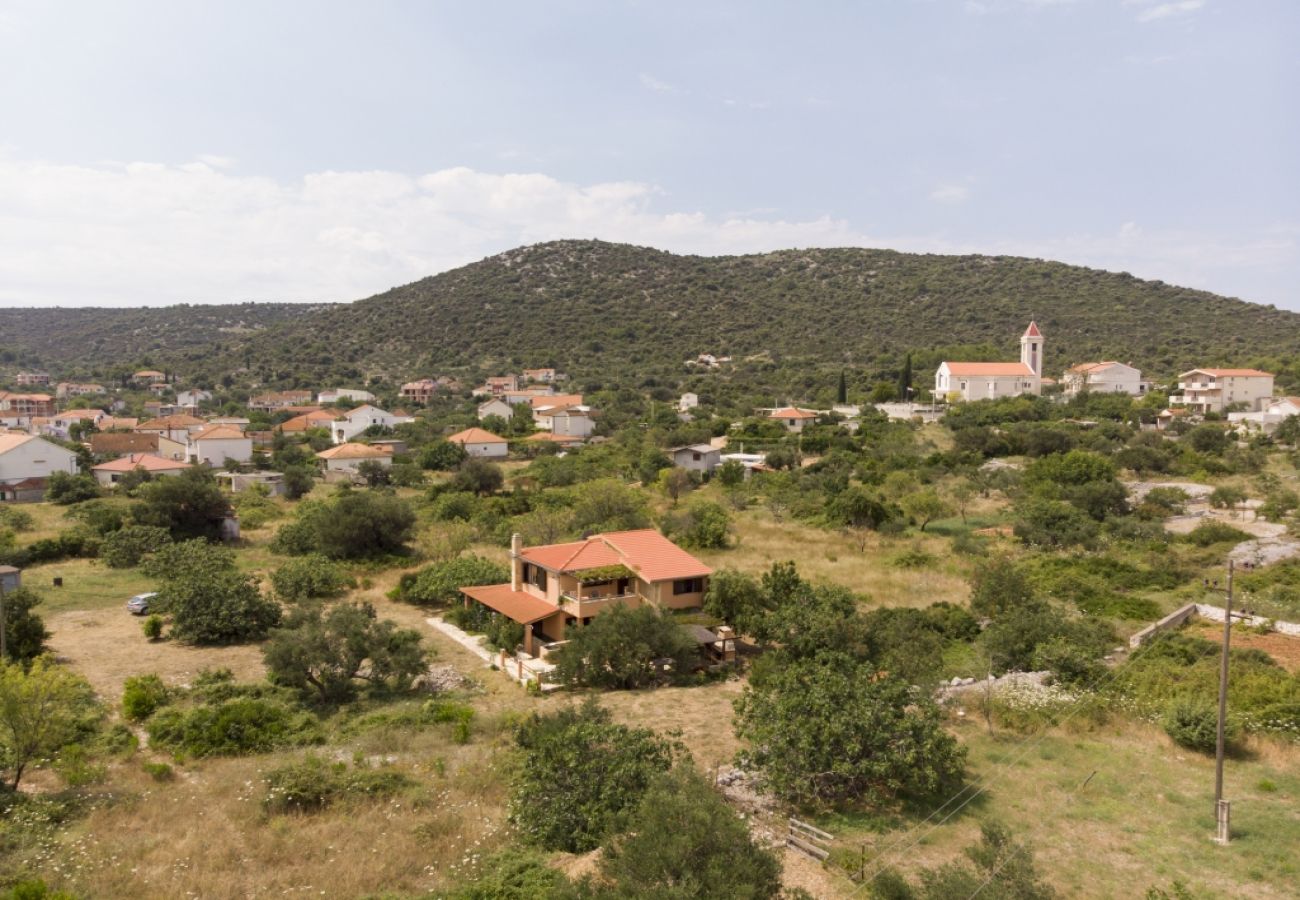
[
  {"x": 556, "y": 586},
  {"x": 1214, "y": 390},
  {"x": 1106, "y": 377},
  {"x": 356, "y": 421}
]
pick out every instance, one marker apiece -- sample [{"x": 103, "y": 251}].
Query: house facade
[
  {"x": 1267, "y": 419},
  {"x": 967, "y": 381},
  {"x": 344, "y": 459},
  {"x": 558, "y": 586},
  {"x": 178, "y": 427},
  {"x": 26, "y": 457},
  {"x": 112, "y": 444},
  {"x": 277, "y": 400},
  {"x": 32, "y": 379},
  {"x": 1108, "y": 377},
  {"x": 18, "y": 410},
  {"x": 65, "y": 389},
  {"x": 1214, "y": 390},
  {"x": 355, "y": 421},
  {"x": 479, "y": 442},
  {"x": 697, "y": 457},
  {"x": 497, "y": 406},
  {"x": 110, "y": 473},
  {"x": 793, "y": 418},
  {"x": 215, "y": 445},
  {"x": 334, "y": 395}
]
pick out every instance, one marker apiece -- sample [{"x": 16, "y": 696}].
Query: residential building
[
  {"x": 66, "y": 389},
  {"x": 557, "y": 586},
  {"x": 1267, "y": 419},
  {"x": 477, "y": 442},
  {"x": 495, "y": 407},
  {"x": 238, "y": 482},
  {"x": 320, "y": 418},
  {"x": 216, "y": 444},
  {"x": 547, "y": 405},
  {"x": 752, "y": 462},
  {"x": 178, "y": 427},
  {"x": 32, "y": 379},
  {"x": 688, "y": 402},
  {"x": 566, "y": 441},
  {"x": 968, "y": 381},
  {"x": 18, "y": 410},
  {"x": 1214, "y": 390},
  {"x": 334, "y": 395},
  {"x": 573, "y": 421},
  {"x": 1108, "y": 377},
  {"x": 147, "y": 377},
  {"x": 110, "y": 473},
  {"x": 118, "y": 423},
  {"x": 345, "y": 458},
  {"x": 419, "y": 391},
  {"x": 60, "y": 424},
  {"x": 498, "y": 385},
  {"x": 354, "y": 421},
  {"x": 28, "y": 458},
  {"x": 112, "y": 444},
  {"x": 193, "y": 398},
  {"x": 543, "y": 376},
  {"x": 793, "y": 418},
  {"x": 273, "y": 401},
  {"x": 697, "y": 457},
  {"x": 238, "y": 421}
]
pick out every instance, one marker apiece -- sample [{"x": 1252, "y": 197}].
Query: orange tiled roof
[
  {"x": 645, "y": 551},
  {"x": 522, "y": 607},
  {"x": 352, "y": 451},
  {"x": 1231, "y": 373},
  {"x": 170, "y": 423},
  {"x": 792, "y": 412},
  {"x": 988, "y": 368},
  {"x": 146, "y": 461},
  {"x": 475, "y": 436},
  {"x": 219, "y": 433}
]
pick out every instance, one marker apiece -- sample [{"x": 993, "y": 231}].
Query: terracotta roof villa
[
  {"x": 556, "y": 586},
  {"x": 353, "y": 451}
]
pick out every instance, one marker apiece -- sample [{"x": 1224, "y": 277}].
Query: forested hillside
[{"x": 600, "y": 310}]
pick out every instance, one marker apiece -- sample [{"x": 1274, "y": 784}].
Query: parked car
[{"x": 139, "y": 604}]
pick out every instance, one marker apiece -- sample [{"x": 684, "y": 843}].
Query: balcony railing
[{"x": 567, "y": 598}]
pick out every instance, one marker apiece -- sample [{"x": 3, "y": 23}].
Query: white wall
[{"x": 36, "y": 458}]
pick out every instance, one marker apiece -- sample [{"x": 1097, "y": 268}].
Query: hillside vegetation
[{"x": 605, "y": 310}]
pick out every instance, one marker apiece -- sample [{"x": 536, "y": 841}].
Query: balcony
[{"x": 584, "y": 605}]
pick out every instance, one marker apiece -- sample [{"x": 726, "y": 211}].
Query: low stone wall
[
  {"x": 1218, "y": 613},
  {"x": 1171, "y": 621}
]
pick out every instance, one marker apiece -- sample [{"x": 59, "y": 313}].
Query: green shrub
[
  {"x": 127, "y": 546},
  {"x": 233, "y": 728},
  {"x": 152, "y": 627},
  {"x": 1212, "y": 531},
  {"x": 34, "y": 889},
  {"x": 312, "y": 783},
  {"x": 142, "y": 695},
  {"x": 13, "y": 517},
  {"x": 309, "y": 577},
  {"x": 440, "y": 583},
  {"x": 912, "y": 558},
  {"x": 1194, "y": 725},
  {"x": 617, "y": 649},
  {"x": 159, "y": 771},
  {"x": 77, "y": 767}
]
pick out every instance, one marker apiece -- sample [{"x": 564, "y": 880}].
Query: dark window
[
  {"x": 688, "y": 586},
  {"x": 535, "y": 575}
]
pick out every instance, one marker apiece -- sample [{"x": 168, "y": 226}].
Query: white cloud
[
  {"x": 655, "y": 84},
  {"x": 950, "y": 193},
  {"x": 1168, "y": 10},
  {"x": 145, "y": 233}
]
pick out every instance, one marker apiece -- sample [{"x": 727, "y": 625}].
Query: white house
[
  {"x": 347, "y": 457},
  {"x": 495, "y": 407},
  {"x": 697, "y": 457},
  {"x": 193, "y": 397},
  {"x": 990, "y": 380},
  {"x": 111, "y": 472},
  {"x": 477, "y": 442},
  {"x": 334, "y": 395},
  {"x": 213, "y": 446},
  {"x": 60, "y": 424},
  {"x": 575, "y": 421},
  {"x": 793, "y": 418},
  {"x": 688, "y": 402},
  {"x": 355, "y": 421},
  {"x": 1267, "y": 419},
  {"x": 1214, "y": 390},
  {"x": 179, "y": 427},
  {"x": 1108, "y": 377},
  {"x": 25, "y": 456}
]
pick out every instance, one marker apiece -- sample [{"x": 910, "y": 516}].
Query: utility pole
[{"x": 1223, "y": 808}]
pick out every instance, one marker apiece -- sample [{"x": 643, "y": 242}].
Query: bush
[
  {"x": 311, "y": 784},
  {"x": 25, "y": 632},
  {"x": 236, "y": 727},
  {"x": 440, "y": 583},
  {"x": 1195, "y": 725},
  {"x": 210, "y": 600},
  {"x": 1212, "y": 531},
  {"x": 127, "y": 546},
  {"x": 351, "y": 525},
  {"x": 617, "y": 649},
  {"x": 159, "y": 771},
  {"x": 703, "y": 525},
  {"x": 64, "y": 489},
  {"x": 578, "y": 774},
  {"x": 142, "y": 695},
  {"x": 309, "y": 577},
  {"x": 189, "y": 505},
  {"x": 152, "y": 627},
  {"x": 12, "y": 517}
]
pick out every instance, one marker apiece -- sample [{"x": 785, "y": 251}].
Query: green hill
[{"x": 630, "y": 314}]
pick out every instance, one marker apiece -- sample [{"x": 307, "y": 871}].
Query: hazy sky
[{"x": 163, "y": 152}]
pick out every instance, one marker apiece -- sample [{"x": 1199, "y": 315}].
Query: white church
[{"x": 956, "y": 381}]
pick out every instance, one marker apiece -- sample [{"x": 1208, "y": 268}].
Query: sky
[{"x": 211, "y": 152}]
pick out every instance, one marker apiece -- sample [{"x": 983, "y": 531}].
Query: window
[
  {"x": 535, "y": 575},
  {"x": 688, "y": 586}
]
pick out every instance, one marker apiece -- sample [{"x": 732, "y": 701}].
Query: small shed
[
  {"x": 11, "y": 579},
  {"x": 697, "y": 457}
]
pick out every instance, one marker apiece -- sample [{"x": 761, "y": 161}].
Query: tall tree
[
  {"x": 842, "y": 392},
  {"x": 905, "y": 378},
  {"x": 41, "y": 711}
]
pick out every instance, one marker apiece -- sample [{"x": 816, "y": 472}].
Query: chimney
[{"x": 516, "y": 567}]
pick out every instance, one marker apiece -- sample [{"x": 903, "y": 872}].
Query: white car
[{"x": 139, "y": 604}]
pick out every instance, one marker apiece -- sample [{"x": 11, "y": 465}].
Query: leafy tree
[
  {"x": 354, "y": 525},
  {"x": 440, "y": 583},
  {"x": 999, "y": 585},
  {"x": 859, "y": 507},
  {"x": 64, "y": 489},
  {"x": 674, "y": 482},
  {"x": 129, "y": 545},
  {"x": 1053, "y": 523},
  {"x": 25, "y": 632},
  {"x": 442, "y": 456},
  {"x": 42, "y": 709},
  {"x": 478, "y": 476},
  {"x": 1207, "y": 438},
  {"x": 579, "y": 773},
  {"x": 684, "y": 841},
  {"x": 1003, "y": 869},
  {"x": 608, "y": 505},
  {"x": 310, "y": 577},
  {"x": 830, "y": 729},
  {"x": 1227, "y": 496},
  {"x": 1013, "y": 640},
  {"x": 736, "y": 598},
  {"x": 188, "y": 505},
  {"x": 329, "y": 650},
  {"x": 374, "y": 473},
  {"x": 298, "y": 481},
  {"x": 925, "y": 506},
  {"x": 731, "y": 474},
  {"x": 703, "y": 525},
  {"x": 209, "y": 599},
  {"x": 616, "y": 649}
]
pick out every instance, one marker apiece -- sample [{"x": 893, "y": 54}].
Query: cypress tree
[
  {"x": 842, "y": 393},
  {"x": 905, "y": 379}
]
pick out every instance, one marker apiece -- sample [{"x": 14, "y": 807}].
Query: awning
[{"x": 522, "y": 607}]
